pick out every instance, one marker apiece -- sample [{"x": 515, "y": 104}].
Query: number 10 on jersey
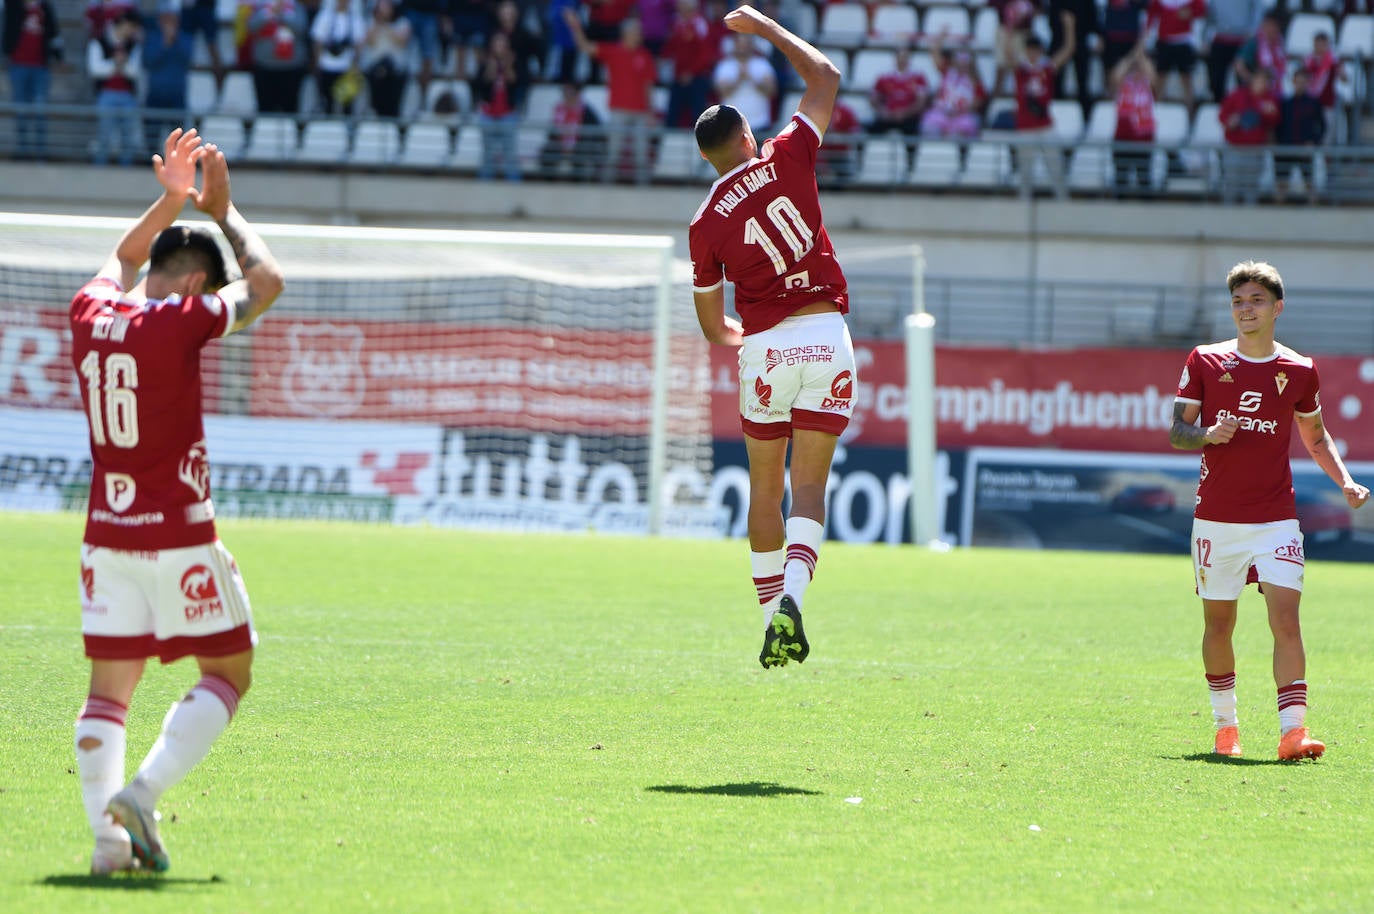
[{"x": 796, "y": 235}]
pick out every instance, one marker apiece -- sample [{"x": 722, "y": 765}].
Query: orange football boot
[
  {"x": 1228, "y": 741},
  {"x": 1297, "y": 745}
]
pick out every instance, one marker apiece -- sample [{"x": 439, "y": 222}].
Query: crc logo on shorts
[
  {"x": 763, "y": 392},
  {"x": 841, "y": 391},
  {"x": 1250, "y": 401},
  {"x": 772, "y": 359},
  {"x": 1290, "y": 552},
  {"x": 119, "y": 492},
  {"x": 201, "y": 593}
]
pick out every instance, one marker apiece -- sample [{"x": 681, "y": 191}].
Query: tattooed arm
[
  {"x": 1318, "y": 442},
  {"x": 1187, "y": 435},
  {"x": 262, "y": 278}
]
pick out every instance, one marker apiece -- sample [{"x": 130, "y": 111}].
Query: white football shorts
[
  {"x": 1223, "y": 555},
  {"x": 798, "y": 374},
  {"x": 169, "y": 604}
]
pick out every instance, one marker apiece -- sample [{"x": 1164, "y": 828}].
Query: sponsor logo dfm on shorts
[
  {"x": 841, "y": 391},
  {"x": 202, "y": 594}
]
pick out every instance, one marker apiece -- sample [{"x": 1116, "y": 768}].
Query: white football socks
[
  {"x": 804, "y": 537},
  {"x": 100, "y": 743},
  {"x": 767, "y": 568},
  {"x": 188, "y": 731}
]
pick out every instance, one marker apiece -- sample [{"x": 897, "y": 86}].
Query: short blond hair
[{"x": 1256, "y": 271}]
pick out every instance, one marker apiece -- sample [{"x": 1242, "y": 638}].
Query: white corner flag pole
[{"x": 920, "y": 387}]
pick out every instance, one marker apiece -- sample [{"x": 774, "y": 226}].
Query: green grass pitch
[{"x": 448, "y": 721}]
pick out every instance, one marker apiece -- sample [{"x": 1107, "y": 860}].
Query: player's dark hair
[
  {"x": 718, "y": 125},
  {"x": 181, "y": 249},
  {"x": 1256, "y": 271}
]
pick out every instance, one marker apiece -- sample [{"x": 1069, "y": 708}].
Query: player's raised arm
[
  {"x": 822, "y": 77},
  {"x": 176, "y": 172},
  {"x": 262, "y": 278}
]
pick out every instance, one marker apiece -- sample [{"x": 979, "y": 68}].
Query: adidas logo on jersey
[{"x": 1226, "y": 378}]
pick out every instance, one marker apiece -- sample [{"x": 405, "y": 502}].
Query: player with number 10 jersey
[{"x": 763, "y": 220}]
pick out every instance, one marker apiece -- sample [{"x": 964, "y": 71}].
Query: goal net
[{"x": 511, "y": 381}]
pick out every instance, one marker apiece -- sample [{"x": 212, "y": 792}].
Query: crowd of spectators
[{"x": 362, "y": 55}]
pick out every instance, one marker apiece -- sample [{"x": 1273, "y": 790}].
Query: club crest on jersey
[
  {"x": 324, "y": 372},
  {"x": 194, "y": 469},
  {"x": 119, "y": 492},
  {"x": 1281, "y": 381},
  {"x": 201, "y": 593},
  {"x": 764, "y": 392}
]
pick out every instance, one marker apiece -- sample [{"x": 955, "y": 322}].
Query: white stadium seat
[
  {"x": 375, "y": 143},
  {"x": 427, "y": 145},
  {"x": 893, "y": 24},
  {"x": 843, "y": 24},
  {"x": 273, "y": 139},
  {"x": 324, "y": 142},
  {"x": 226, "y": 132}
]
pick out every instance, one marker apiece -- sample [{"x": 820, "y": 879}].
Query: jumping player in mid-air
[
  {"x": 1249, "y": 392},
  {"x": 155, "y": 579},
  {"x": 761, "y": 228}
]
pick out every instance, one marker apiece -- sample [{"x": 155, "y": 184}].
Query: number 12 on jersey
[{"x": 796, "y": 234}]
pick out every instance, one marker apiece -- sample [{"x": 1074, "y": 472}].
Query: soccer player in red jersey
[
  {"x": 761, "y": 226},
  {"x": 155, "y": 579},
  {"x": 1249, "y": 392}
]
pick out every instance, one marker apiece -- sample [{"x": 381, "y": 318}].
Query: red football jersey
[
  {"x": 899, "y": 89},
  {"x": 761, "y": 227},
  {"x": 1034, "y": 92},
  {"x": 138, "y": 365},
  {"x": 1249, "y": 479}
]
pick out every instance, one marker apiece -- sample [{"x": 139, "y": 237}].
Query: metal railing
[{"x": 998, "y": 162}]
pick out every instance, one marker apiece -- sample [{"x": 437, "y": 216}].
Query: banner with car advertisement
[
  {"x": 1036, "y": 499},
  {"x": 1080, "y": 399}
]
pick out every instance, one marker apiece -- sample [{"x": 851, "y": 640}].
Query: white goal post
[{"x": 499, "y": 380}]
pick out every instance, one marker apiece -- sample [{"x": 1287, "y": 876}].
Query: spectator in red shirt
[
  {"x": 900, "y": 97},
  {"x": 1175, "y": 48},
  {"x": 1034, "y": 91},
  {"x": 604, "y": 21},
  {"x": 497, "y": 93},
  {"x": 32, "y": 43},
  {"x": 630, "y": 75},
  {"x": 693, "y": 53},
  {"x": 838, "y": 158},
  {"x": 1324, "y": 70},
  {"x": 575, "y": 145},
  {"x": 1133, "y": 82},
  {"x": 1248, "y": 116}
]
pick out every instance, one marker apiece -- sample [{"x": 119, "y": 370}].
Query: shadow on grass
[
  {"x": 1213, "y": 759},
  {"x": 124, "y": 882},
  {"x": 748, "y": 789}
]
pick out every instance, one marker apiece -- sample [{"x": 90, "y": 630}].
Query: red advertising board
[
  {"x": 1081, "y": 399},
  {"x": 557, "y": 380}
]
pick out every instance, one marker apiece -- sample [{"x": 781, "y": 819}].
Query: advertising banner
[
  {"x": 556, "y": 380},
  {"x": 258, "y": 467},
  {"x": 1081, "y": 399},
  {"x": 1061, "y": 500}
]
